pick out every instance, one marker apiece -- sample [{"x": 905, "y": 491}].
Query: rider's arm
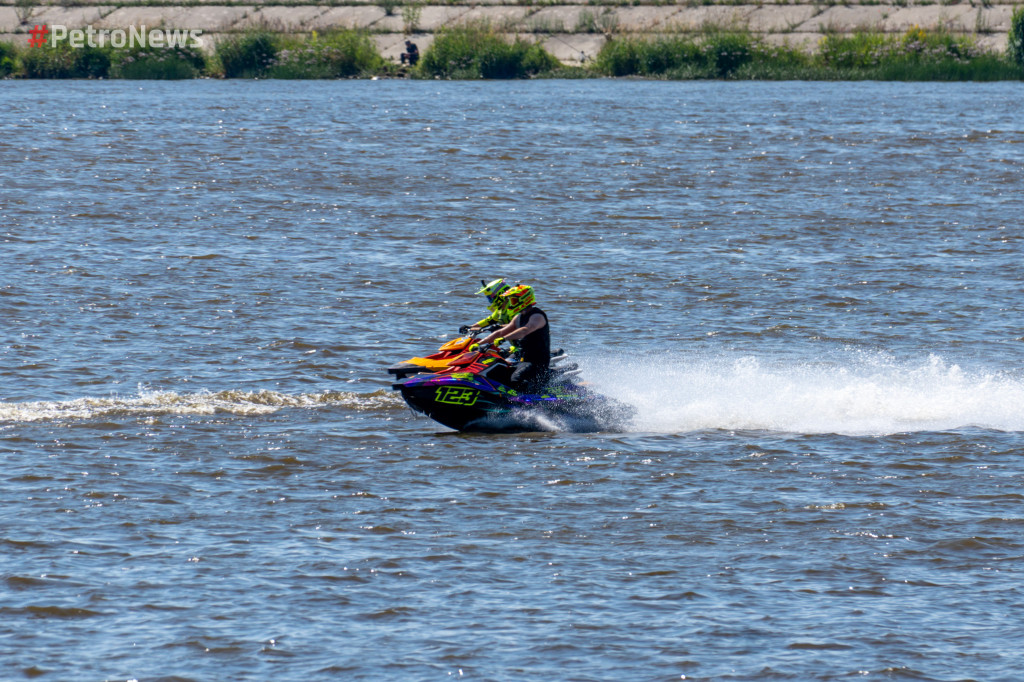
[
  {"x": 487, "y": 321},
  {"x": 501, "y": 333},
  {"x": 533, "y": 324}
]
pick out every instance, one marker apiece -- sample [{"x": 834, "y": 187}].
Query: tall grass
[
  {"x": 1015, "y": 39},
  {"x": 63, "y": 61},
  {"x": 630, "y": 57},
  {"x": 338, "y": 54},
  {"x": 858, "y": 51},
  {"x": 247, "y": 55},
  {"x": 476, "y": 51},
  {"x": 712, "y": 54},
  {"x": 916, "y": 55},
  {"x": 8, "y": 59},
  {"x": 157, "y": 63},
  {"x": 726, "y": 51}
]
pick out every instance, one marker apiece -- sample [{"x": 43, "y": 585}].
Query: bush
[
  {"x": 475, "y": 51},
  {"x": 678, "y": 57},
  {"x": 340, "y": 54},
  {"x": 917, "y": 55},
  {"x": 158, "y": 63},
  {"x": 778, "y": 63},
  {"x": 619, "y": 58},
  {"x": 726, "y": 51},
  {"x": 8, "y": 59},
  {"x": 248, "y": 55},
  {"x": 986, "y": 67},
  {"x": 516, "y": 60},
  {"x": 870, "y": 51},
  {"x": 935, "y": 47},
  {"x": 719, "y": 54},
  {"x": 859, "y": 51},
  {"x": 66, "y": 62},
  {"x": 1015, "y": 40}
]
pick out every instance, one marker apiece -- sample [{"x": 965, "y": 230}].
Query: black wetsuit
[{"x": 531, "y": 373}]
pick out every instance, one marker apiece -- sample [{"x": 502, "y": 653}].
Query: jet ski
[
  {"x": 473, "y": 394},
  {"x": 436, "y": 362}
]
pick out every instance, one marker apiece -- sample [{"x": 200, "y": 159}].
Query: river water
[{"x": 810, "y": 292}]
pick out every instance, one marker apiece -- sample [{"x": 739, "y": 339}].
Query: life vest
[{"x": 536, "y": 346}]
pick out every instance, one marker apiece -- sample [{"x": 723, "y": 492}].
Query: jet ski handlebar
[
  {"x": 481, "y": 348},
  {"x": 464, "y": 330}
]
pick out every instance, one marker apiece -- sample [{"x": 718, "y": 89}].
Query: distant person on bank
[{"x": 411, "y": 54}]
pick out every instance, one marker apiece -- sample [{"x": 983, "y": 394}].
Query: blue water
[{"x": 809, "y": 292}]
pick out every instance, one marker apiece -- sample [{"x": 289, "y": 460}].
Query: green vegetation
[
  {"x": 8, "y": 59},
  {"x": 714, "y": 54},
  {"x": 64, "y": 62},
  {"x": 247, "y": 55},
  {"x": 916, "y": 55},
  {"x": 157, "y": 63},
  {"x": 162, "y": 64},
  {"x": 136, "y": 62},
  {"x": 475, "y": 51},
  {"x": 1015, "y": 46},
  {"x": 338, "y": 54}
]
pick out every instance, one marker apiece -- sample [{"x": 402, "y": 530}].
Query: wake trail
[
  {"x": 851, "y": 394},
  {"x": 159, "y": 403}
]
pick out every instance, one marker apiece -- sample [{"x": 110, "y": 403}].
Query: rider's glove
[
  {"x": 498, "y": 341},
  {"x": 464, "y": 329},
  {"x": 474, "y": 348}
]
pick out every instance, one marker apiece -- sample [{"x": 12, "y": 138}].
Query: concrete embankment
[{"x": 572, "y": 32}]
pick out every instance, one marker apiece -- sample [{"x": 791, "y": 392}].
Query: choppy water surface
[{"x": 810, "y": 292}]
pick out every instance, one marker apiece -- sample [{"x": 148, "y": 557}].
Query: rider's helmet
[
  {"x": 494, "y": 289},
  {"x": 493, "y": 292},
  {"x": 519, "y": 298}
]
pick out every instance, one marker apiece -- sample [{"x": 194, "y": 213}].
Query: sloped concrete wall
[{"x": 572, "y": 32}]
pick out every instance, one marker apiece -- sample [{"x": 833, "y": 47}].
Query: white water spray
[
  {"x": 854, "y": 394},
  {"x": 158, "y": 403}
]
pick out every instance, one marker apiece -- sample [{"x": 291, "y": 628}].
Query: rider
[
  {"x": 499, "y": 314},
  {"x": 530, "y": 326}
]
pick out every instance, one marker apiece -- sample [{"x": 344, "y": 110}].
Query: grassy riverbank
[
  {"x": 477, "y": 51},
  {"x": 916, "y": 55}
]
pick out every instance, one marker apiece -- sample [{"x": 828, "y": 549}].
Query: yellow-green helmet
[
  {"x": 493, "y": 290},
  {"x": 519, "y": 298}
]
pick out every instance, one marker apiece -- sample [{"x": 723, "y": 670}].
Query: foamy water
[
  {"x": 674, "y": 393},
  {"x": 859, "y": 394},
  {"x": 157, "y": 403}
]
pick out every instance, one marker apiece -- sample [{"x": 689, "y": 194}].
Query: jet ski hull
[
  {"x": 453, "y": 403},
  {"x": 472, "y": 403}
]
